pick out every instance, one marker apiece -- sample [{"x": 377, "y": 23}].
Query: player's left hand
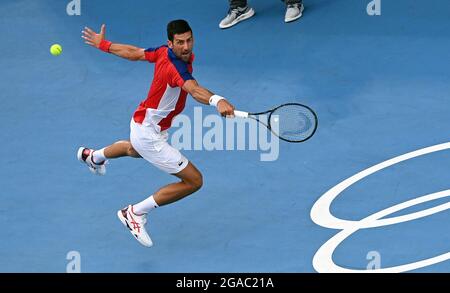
[
  {"x": 225, "y": 108},
  {"x": 92, "y": 38}
]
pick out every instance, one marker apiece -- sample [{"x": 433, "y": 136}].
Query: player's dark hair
[{"x": 175, "y": 27}]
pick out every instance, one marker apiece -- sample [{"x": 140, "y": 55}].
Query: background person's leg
[
  {"x": 290, "y": 2},
  {"x": 238, "y": 12},
  {"x": 237, "y": 3}
]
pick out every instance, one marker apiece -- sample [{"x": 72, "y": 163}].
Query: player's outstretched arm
[
  {"x": 206, "y": 97},
  {"x": 98, "y": 41}
]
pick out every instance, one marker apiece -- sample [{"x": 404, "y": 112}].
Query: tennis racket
[{"x": 291, "y": 122}]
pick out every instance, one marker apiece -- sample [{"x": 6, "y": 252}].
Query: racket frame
[{"x": 243, "y": 114}]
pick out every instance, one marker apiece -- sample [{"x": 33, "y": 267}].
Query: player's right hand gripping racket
[{"x": 295, "y": 122}]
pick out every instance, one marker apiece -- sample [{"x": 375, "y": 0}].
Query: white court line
[{"x": 321, "y": 215}]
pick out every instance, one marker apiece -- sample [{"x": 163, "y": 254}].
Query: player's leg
[
  {"x": 96, "y": 159},
  {"x": 153, "y": 147},
  {"x": 134, "y": 217},
  {"x": 168, "y": 159},
  {"x": 122, "y": 148},
  {"x": 191, "y": 181}
]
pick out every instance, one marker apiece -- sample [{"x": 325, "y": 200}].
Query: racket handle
[{"x": 240, "y": 114}]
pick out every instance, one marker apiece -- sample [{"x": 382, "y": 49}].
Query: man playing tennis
[{"x": 172, "y": 81}]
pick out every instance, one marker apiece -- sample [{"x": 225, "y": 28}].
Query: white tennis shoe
[
  {"x": 136, "y": 225},
  {"x": 85, "y": 155}
]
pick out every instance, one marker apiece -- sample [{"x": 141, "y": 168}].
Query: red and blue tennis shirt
[{"x": 166, "y": 98}]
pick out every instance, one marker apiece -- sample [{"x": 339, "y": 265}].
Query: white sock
[
  {"x": 99, "y": 156},
  {"x": 145, "y": 206}
]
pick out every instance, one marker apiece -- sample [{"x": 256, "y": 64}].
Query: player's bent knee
[{"x": 196, "y": 182}]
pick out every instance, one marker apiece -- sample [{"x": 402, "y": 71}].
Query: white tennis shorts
[{"x": 153, "y": 147}]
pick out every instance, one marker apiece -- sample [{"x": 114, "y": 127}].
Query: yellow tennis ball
[{"x": 56, "y": 49}]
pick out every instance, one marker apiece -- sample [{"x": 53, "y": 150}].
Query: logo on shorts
[{"x": 180, "y": 163}]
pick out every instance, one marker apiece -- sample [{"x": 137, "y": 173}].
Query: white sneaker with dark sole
[
  {"x": 293, "y": 12},
  {"x": 135, "y": 224},
  {"x": 235, "y": 16}
]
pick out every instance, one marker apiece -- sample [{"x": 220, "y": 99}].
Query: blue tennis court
[{"x": 380, "y": 86}]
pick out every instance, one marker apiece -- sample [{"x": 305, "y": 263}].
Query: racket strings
[{"x": 293, "y": 122}]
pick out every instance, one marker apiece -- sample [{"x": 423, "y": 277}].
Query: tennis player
[{"x": 172, "y": 81}]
